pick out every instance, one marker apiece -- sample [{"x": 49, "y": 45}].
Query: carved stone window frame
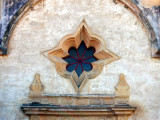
[{"x": 83, "y": 33}]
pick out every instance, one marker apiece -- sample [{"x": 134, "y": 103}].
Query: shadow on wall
[{"x": 140, "y": 111}]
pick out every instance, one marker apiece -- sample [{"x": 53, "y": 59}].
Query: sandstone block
[
  {"x": 95, "y": 101},
  {"x": 66, "y": 101},
  {"x": 109, "y": 101},
  {"x": 82, "y": 101}
]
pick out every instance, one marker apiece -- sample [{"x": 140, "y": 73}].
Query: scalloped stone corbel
[
  {"x": 36, "y": 88},
  {"x": 122, "y": 90}
]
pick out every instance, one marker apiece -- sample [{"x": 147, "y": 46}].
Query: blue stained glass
[
  {"x": 87, "y": 67},
  {"x": 79, "y": 70},
  {"x": 73, "y": 52},
  {"x": 70, "y": 60},
  {"x": 80, "y": 59},
  {"x": 70, "y": 68},
  {"x": 90, "y": 60}
]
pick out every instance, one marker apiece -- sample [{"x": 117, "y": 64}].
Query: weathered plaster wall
[
  {"x": 43, "y": 27},
  {"x": 9, "y": 8},
  {"x": 12, "y": 10},
  {"x": 151, "y": 10}
]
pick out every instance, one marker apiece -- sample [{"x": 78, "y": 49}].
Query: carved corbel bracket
[
  {"x": 122, "y": 90},
  {"x": 36, "y": 88}
]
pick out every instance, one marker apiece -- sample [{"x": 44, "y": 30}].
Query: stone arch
[
  {"x": 12, "y": 24},
  {"x": 155, "y": 50}
]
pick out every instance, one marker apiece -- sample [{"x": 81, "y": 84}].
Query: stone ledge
[
  {"x": 80, "y": 95},
  {"x": 36, "y": 108},
  {"x": 46, "y": 106},
  {"x": 121, "y": 95},
  {"x": 76, "y": 99}
]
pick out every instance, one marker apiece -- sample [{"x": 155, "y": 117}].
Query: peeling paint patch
[
  {"x": 0, "y": 9},
  {"x": 7, "y": 10},
  {"x": 136, "y": 2}
]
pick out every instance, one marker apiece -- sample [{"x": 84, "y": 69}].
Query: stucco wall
[{"x": 43, "y": 27}]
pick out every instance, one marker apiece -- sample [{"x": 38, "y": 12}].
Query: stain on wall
[
  {"x": 8, "y": 9},
  {"x": 0, "y": 10},
  {"x": 151, "y": 10},
  {"x": 0, "y": 16}
]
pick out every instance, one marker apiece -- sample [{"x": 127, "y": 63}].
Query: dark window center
[{"x": 80, "y": 59}]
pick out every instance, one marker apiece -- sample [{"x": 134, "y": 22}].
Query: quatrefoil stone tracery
[{"x": 90, "y": 55}]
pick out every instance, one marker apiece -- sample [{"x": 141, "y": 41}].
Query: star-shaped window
[
  {"x": 80, "y": 59},
  {"x": 80, "y": 56}
]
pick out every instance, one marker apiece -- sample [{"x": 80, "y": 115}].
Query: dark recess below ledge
[{"x": 36, "y": 108}]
